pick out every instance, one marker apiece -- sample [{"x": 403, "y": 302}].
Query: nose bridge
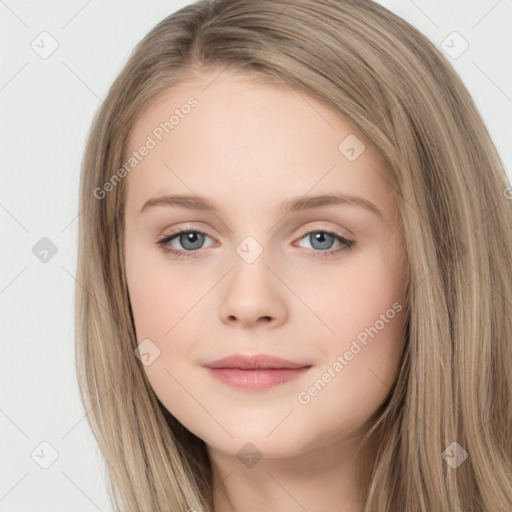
[
  {"x": 250, "y": 231},
  {"x": 251, "y": 262},
  {"x": 252, "y": 291},
  {"x": 252, "y": 248}
]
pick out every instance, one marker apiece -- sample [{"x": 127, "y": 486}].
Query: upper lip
[{"x": 254, "y": 362}]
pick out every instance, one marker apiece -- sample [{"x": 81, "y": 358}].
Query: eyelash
[{"x": 163, "y": 243}]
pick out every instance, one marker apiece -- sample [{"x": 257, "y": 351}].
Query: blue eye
[
  {"x": 192, "y": 240},
  {"x": 324, "y": 240}
]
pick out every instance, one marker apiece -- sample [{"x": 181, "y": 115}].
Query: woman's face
[{"x": 263, "y": 278}]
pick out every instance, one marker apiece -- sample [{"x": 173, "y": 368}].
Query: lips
[
  {"x": 255, "y": 362},
  {"x": 256, "y": 372}
]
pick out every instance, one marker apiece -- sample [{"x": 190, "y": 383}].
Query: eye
[
  {"x": 322, "y": 239},
  {"x": 190, "y": 239}
]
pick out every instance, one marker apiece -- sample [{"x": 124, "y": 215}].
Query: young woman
[{"x": 295, "y": 269}]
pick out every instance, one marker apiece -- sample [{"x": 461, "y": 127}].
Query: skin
[{"x": 249, "y": 147}]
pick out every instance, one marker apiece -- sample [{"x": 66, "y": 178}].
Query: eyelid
[
  {"x": 186, "y": 228},
  {"x": 316, "y": 226},
  {"x": 347, "y": 244},
  {"x": 308, "y": 228}
]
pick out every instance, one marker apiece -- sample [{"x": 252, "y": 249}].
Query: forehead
[
  {"x": 229, "y": 132},
  {"x": 229, "y": 101}
]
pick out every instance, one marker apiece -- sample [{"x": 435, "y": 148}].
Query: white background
[{"x": 47, "y": 106}]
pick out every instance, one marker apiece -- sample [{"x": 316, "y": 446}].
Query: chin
[{"x": 251, "y": 440}]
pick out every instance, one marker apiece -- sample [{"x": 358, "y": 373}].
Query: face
[{"x": 320, "y": 285}]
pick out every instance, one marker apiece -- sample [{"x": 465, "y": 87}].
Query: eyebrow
[{"x": 199, "y": 203}]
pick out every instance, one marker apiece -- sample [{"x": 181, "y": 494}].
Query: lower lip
[{"x": 256, "y": 379}]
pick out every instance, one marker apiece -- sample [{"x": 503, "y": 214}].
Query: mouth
[
  {"x": 255, "y": 372},
  {"x": 256, "y": 379}
]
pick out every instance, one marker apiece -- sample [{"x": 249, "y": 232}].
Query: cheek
[
  {"x": 363, "y": 308},
  {"x": 364, "y": 354},
  {"x": 165, "y": 302},
  {"x": 365, "y": 291},
  {"x": 161, "y": 294}
]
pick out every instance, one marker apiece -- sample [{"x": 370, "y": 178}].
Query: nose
[{"x": 253, "y": 295}]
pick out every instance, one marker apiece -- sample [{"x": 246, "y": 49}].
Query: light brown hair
[{"x": 388, "y": 80}]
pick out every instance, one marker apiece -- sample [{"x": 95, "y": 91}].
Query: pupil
[
  {"x": 191, "y": 240},
  {"x": 323, "y": 240}
]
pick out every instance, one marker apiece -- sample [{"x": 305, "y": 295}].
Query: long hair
[{"x": 444, "y": 435}]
